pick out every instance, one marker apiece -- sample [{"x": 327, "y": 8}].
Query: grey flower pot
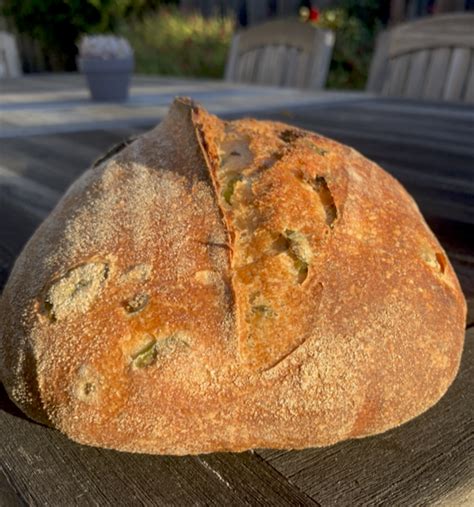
[{"x": 108, "y": 80}]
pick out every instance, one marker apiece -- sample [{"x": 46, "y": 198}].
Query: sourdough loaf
[{"x": 221, "y": 286}]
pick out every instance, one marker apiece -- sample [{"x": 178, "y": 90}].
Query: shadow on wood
[{"x": 7, "y": 406}]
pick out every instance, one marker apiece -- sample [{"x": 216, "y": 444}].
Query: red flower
[{"x": 313, "y": 14}]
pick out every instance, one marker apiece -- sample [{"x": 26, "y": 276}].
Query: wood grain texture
[
  {"x": 436, "y": 74},
  {"x": 457, "y": 74},
  {"x": 230, "y": 73},
  {"x": 414, "y": 82},
  {"x": 8, "y": 495},
  {"x": 399, "y": 69},
  {"x": 292, "y": 65},
  {"x": 428, "y": 461}
]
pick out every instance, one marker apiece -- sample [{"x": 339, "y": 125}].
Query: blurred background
[{"x": 191, "y": 38}]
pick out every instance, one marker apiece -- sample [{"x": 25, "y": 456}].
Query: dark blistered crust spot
[{"x": 290, "y": 135}]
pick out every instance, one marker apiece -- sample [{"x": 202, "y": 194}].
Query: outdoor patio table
[{"x": 50, "y": 132}]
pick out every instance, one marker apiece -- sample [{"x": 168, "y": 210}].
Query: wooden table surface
[{"x": 428, "y": 147}]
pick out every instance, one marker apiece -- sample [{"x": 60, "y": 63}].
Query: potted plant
[{"x": 107, "y": 62}]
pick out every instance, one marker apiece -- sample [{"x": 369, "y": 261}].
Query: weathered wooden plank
[
  {"x": 457, "y": 74},
  {"x": 418, "y": 65},
  {"x": 436, "y": 74},
  {"x": 249, "y": 66},
  {"x": 40, "y": 83},
  {"x": 470, "y": 313},
  {"x": 416, "y": 464},
  {"x": 302, "y": 68},
  {"x": 432, "y": 32},
  {"x": 8, "y": 495},
  {"x": 263, "y": 73},
  {"x": 55, "y": 472},
  {"x": 18, "y": 222},
  {"x": 469, "y": 88},
  {"x": 36, "y": 199},
  {"x": 279, "y": 68},
  {"x": 32, "y": 158},
  {"x": 240, "y": 66},
  {"x": 230, "y": 73},
  {"x": 291, "y": 65},
  {"x": 459, "y": 116},
  {"x": 271, "y": 69},
  {"x": 399, "y": 69},
  {"x": 56, "y": 160},
  {"x": 379, "y": 64}
]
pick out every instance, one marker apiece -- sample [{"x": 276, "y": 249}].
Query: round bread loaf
[{"x": 221, "y": 286}]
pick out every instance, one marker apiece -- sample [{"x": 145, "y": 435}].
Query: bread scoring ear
[{"x": 273, "y": 193}]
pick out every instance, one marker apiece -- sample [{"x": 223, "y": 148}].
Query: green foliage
[
  {"x": 57, "y": 24},
  {"x": 168, "y": 42},
  {"x": 370, "y": 12},
  {"x": 356, "y": 23}
]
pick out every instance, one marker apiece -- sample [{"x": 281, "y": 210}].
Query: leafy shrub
[
  {"x": 168, "y": 42},
  {"x": 352, "y": 50},
  {"x": 57, "y": 24},
  {"x": 355, "y": 23}
]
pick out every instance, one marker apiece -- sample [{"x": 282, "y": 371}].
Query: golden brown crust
[{"x": 183, "y": 298}]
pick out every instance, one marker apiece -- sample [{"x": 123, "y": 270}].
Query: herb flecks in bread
[{"x": 222, "y": 286}]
